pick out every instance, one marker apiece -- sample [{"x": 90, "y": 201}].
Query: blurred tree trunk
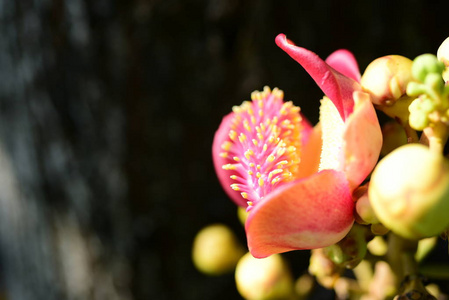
[{"x": 64, "y": 99}]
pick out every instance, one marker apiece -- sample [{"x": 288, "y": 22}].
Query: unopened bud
[
  {"x": 420, "y": 110},
  {"x": 350, "y": 251},
  {"x": 409, "y": 192},
  {"x": 386, "y": 78},
  {"x": 216, "y": 250},
  {"x": 264, "y": 278},
  {"x": 425, "y": 65}
]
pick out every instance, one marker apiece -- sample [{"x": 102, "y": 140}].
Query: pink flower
[{"x": 297, "y": 181}]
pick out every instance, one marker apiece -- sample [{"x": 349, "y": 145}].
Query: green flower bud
[
  {"x": 386, "y": 78},
  {"x": 350, "y": 251},
  {"x": 426, "y": 64},
  {"x": 409, "y": 192},
  {"x": 420, "y": 109},
  {"x": 216, "y": 250},
  {"x": 265, "y": 278}
]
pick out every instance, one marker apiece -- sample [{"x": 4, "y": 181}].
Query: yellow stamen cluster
[{"x": 263, "y": 149}]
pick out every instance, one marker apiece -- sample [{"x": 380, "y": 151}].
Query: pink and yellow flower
[{"x": 297, "y": 181}]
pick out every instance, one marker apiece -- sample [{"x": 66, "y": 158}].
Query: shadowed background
[{"x": 107, "y": 114}]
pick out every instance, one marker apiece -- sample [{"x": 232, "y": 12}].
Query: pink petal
[
  {"x": 363, "y": 140},
  {"x": 335, "y": 85},
  {"x": 344, "y": 62},
  {"x": 311, "y": 213},
  {"x": 221, "y": 136}
]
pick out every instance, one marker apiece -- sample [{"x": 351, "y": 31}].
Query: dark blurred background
[{"x": 107, "y": 114}]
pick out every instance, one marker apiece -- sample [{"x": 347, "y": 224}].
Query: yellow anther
[
  {"x": 229, "y": 167},
  {"x": 235, "y": 187},
  {"x": 265, "y": 147},
  {"x": 274, "y": 172},
  {"x": 282, "y": 163},
  {"x": 252, "y": 165},
  {"x": 246, "y": 125},
  {"x": 260, "y": 181},
  {"x": 291, "y": 149},
  {"x": 242, "y": 138},
  {"x": 249, "y": 153},
  {"x": 258, "y": 167},
  {"x": 260, "y": 136},
  {"x": 244, "y": 195},
  {"x": 233, "y": 177},
  {"x": 224, "y": 154},
  {"x": 255, "y": 142},
  {"x": 281, "y": 151},
  {"x": 287, "y": 174},
  {"x": 274, "y": 120},
  {"x": 250, "y": 173},
  {"x": 226, "y": 146},
  {"x": 260, "y": 113},
  {"x": 274, "y": 181},
  {"x": 250, "y": 203},
  {"x": 271, "y": 158},
  {"x": 258, "y": 175},
  {"x": 236, "y": 158},
  {"x": 253, "y": 120},
  {"x": 232, "y": 135}
]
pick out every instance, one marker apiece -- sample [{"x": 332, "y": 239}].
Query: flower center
[{"x": 263, "y": 149}]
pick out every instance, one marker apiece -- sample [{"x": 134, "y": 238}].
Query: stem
[
  {"x": 401, "y": 256},
  {"x": 437, "y": 136},
  {"x": 412, "y": 136}
]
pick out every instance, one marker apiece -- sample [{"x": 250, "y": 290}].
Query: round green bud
[
  {"x": 409, "y": 192},
  {"x": 264, "y": 278},
  {"x": 386, "y": 78},
  {"x": 420, "y": 109},
  {"x": 426, "y": 64},
  {"x": 216, "y": 250}
]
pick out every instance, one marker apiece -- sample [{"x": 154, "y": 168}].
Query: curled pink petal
[
  {"x": 223, "y": 176},
  {"x": 362, "y": 140},
  {"x": 314, "y": 212},
  {"x": 344, "y": 62},
  {"x": 335, "y": 85}
]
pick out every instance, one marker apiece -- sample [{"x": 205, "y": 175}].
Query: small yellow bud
[
  {"x": 265, "y": 278},
  {"x": 216, "y": 250},
  {"x": 409, "y": 192},
  {"x": 386, "y": 78}
]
